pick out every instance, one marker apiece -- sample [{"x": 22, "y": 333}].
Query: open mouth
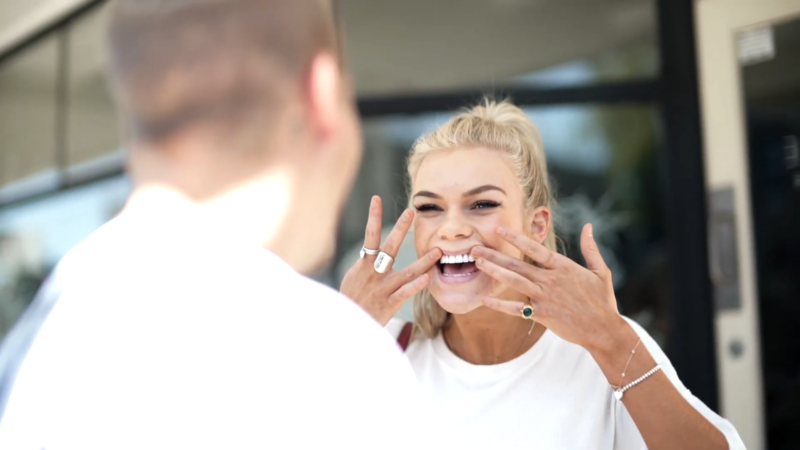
[{"x": 457, "y": 267}]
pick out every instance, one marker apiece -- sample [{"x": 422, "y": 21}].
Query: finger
[
  {"x": 372, "y": 235},
  {"x": 510, "y": 307},
  {"x": 528, "y": 271},
  {"x": 591, "y": 253},
  {"x": 398, "y": 233},
  {"x": 536, "y": 251},
  {"x": 415, "y": 269},
  {"x": 408, "y": 290},
  {"x": 511, "y": 279}
]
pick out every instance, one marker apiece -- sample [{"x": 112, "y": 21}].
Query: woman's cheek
[
  {"x": 488, "y": 224},
  {"x": 489, "y": 231},
  {"x": 421, "y": 238}
]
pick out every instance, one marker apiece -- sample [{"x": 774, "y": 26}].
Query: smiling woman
[{"x": 514, "y": 344}]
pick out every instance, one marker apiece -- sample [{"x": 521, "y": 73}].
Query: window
[{"x": 35, "y": 235}]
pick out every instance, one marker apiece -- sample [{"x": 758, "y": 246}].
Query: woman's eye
[
  {"x": 427, "y": 207},
  {"x": 485, "y": 205}
]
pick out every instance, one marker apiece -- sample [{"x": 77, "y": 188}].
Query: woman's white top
[{"x": 552, "y": 397}]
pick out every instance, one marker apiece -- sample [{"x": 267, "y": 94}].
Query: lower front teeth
[{"x": 458, "y": 274}]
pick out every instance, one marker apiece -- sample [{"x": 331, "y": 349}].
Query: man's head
[{"x": 241, "y": 99}]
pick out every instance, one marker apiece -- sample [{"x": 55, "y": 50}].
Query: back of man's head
[
  {"x": 234, "y": 103},
  {"x": 180, "y": 64}
]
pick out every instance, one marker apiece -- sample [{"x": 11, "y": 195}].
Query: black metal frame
[
  {"x": 692, "y": 341},
  {"x": 676, "y": 92}
]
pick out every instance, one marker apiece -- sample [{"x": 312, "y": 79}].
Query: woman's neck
[{"x": 485, "y": 336}]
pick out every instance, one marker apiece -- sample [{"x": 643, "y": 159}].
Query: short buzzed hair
[{"x": 175, "y": 64}]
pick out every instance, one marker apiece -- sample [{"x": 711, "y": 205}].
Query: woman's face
[{"x": 461, "y": 197}]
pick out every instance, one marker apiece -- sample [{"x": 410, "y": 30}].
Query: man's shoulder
[{"x": 320, "y": 318}]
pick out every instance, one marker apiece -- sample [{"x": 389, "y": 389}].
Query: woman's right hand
[{"x": 382, "y": 294}]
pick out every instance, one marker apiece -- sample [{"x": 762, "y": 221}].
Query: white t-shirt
[
  {"x": 155, "y": 337},
  {"x": 552, "y": 397}
]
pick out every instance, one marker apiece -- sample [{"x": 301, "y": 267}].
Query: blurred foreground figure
[{"x": 172, "y": 327}]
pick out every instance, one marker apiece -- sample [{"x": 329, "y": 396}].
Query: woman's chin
[
  {"x": 457, "y": 303},
  {"x": 461, "y": 298}
]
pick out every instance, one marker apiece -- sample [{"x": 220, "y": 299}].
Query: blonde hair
[{"x": 499, "y": 126}]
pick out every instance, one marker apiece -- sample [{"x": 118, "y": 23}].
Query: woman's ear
[{"x": 540, "y": 223}]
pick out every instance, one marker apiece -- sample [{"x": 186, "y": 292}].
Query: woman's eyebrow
[
  {"x": 481, "y": 189},
  {"x": 428, "y": 194},
  {"x": 469, "y": 193}
]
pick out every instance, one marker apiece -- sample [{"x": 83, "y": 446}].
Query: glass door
[{"x": 772, "y": 110}]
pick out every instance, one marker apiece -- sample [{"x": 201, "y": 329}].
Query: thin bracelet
[
  {"x": 633, "y": 352},
  {"x": 619, "y": 392}
]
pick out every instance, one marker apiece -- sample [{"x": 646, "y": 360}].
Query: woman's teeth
[{"x": 456, "y": 259}]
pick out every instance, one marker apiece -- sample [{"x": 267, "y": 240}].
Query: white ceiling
[
  {"x": 414, "y": 45},
  {"x": 12, "y": 11}
]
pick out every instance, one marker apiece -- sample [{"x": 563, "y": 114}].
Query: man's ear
[
  {"x": 324, "y": 97},
  {"x": 540, "y": 221}
]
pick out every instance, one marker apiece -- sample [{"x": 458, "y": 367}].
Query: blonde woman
[{"x": 516, "y": 345}]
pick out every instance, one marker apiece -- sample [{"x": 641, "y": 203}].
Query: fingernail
[
  {"x": 501, "y": 231},
  {"x": 477, "y": 251},
  {"x": 591, "y": 231}
]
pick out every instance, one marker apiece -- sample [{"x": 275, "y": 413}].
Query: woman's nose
[{"x": 455, "y": 227}]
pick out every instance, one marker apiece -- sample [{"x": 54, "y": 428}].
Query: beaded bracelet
[{"x": 619, "y": 392}]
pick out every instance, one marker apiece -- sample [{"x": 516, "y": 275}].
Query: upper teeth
[{"x": 456, "y": 259}]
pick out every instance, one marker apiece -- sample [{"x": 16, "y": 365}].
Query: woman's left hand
[{"x": 576, "y": 303}]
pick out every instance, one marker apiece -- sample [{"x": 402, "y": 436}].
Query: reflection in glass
[
  {"x": 92, "y": 126},
  {"x": 28, "y": 114},
  {"x": 603, "y": 163},
  {"x": 638, "y": 59}
]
